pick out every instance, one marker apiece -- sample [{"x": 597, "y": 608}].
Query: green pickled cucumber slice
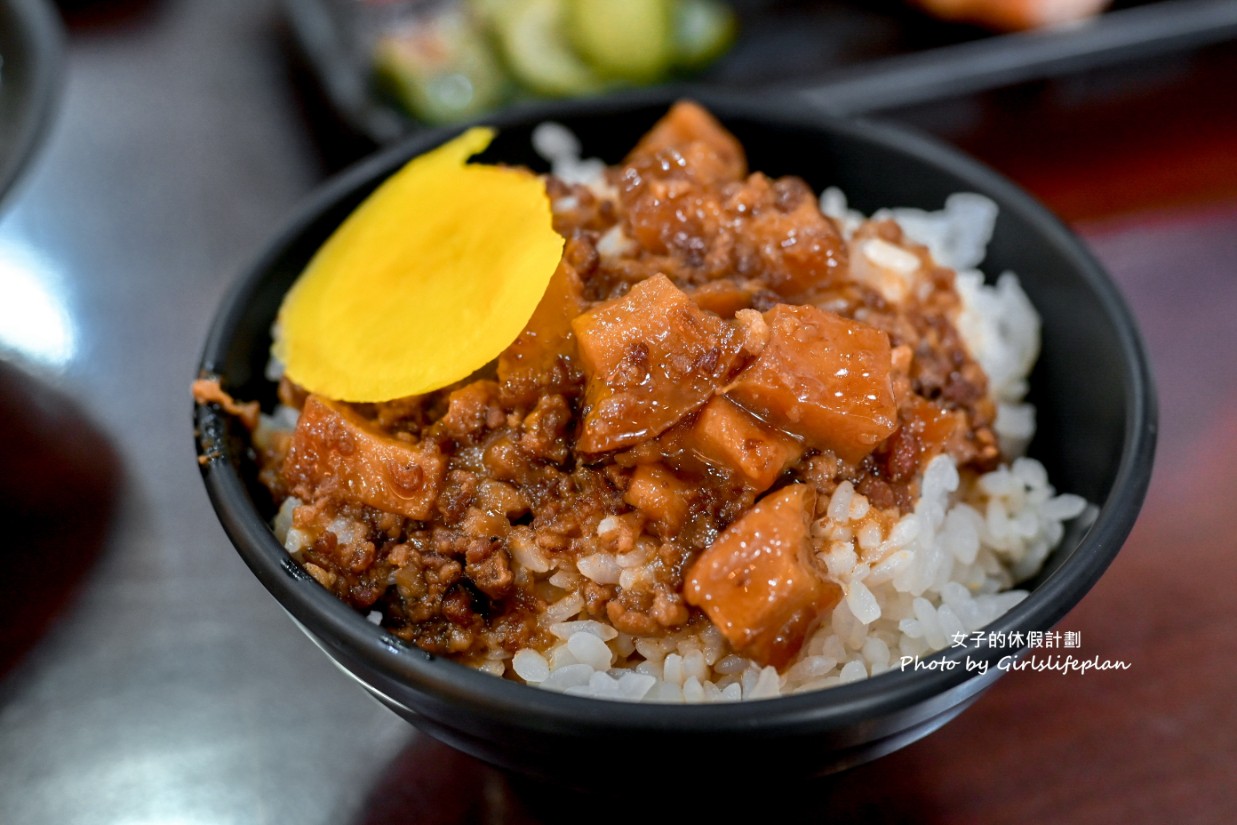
[
  {"x": 627, "y": 40},
  {"x": 440, "y": 69},
  {"x": 533, "y": 37},
  {"x": 703, "y": 31},
  {"x": 486, "y": 11}
]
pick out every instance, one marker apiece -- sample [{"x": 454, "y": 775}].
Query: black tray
[{"x": 849, "y": 56}]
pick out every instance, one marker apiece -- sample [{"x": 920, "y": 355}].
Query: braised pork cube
[
  {"x": 548, "y": 333},
  {"x": 651, "y": 357},
  {"x": 932, "y": 428},
  {"x": 661, "y": 496},
  {"x": 688, "y": 134},
  {"x": 671, "y": 191},
  {"x": 725, "y": 435},
  {"x": 725, "y": 297},
  {"x": 759, "y": 583},
  {"x": 335, "y": 453},
  {"x": 799, "y": 249},
  {"x": 823, "y": 377}
]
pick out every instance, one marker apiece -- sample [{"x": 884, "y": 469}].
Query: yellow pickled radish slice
[{"x": 432, "y": 276}]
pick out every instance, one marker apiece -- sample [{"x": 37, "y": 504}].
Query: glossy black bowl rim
[
  {"x": 32, "y": 43},
  {"x": 467, "y": 692}
]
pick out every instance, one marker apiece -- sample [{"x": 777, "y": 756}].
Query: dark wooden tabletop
[{"x": 146, "y": 677}]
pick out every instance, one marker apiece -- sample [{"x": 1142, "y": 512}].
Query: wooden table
[{"x": 146, "y": 677}]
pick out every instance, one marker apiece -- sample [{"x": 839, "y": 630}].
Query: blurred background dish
[
  {"x": 391, "y": 66},
  {"x": 30, "y": 58}
]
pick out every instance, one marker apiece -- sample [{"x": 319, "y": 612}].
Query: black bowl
[{"x": 1096, "y": 437}]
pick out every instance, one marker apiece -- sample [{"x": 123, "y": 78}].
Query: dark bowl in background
[
  {"x": 1097, "y": 429},
  {"x": 31, "y": 64}
]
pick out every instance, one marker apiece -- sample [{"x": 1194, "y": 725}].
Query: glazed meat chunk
[{"x": 651, "y": 357}]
